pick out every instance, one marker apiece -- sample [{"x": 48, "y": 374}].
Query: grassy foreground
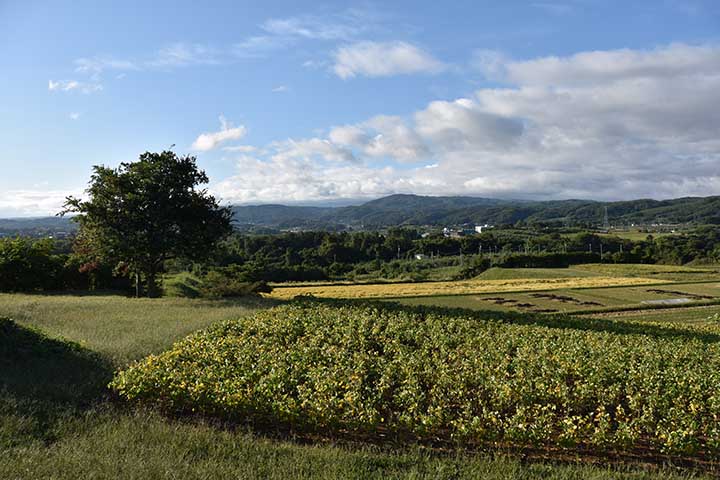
[{"x": 56, "y": 421}]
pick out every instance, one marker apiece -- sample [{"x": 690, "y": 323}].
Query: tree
[{"x": 143, "y": 213}]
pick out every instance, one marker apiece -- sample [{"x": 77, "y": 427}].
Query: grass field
[
  {"x": 56, "y": 420},
  {"x": 121, "y": 329}
]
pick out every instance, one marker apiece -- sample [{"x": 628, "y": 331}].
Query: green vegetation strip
[
  {"x": 454, "y": 375},
  {"x": 634, "y": 308}
]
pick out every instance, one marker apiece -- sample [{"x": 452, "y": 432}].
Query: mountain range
[
  {"x": 396, "y": 210},
  {"x": 406, "y": 210}
]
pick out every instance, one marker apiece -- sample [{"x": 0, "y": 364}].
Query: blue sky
[{"x": 305, "y": 102}]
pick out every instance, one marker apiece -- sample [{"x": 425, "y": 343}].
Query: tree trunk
[{"x": 153, "y": 291}]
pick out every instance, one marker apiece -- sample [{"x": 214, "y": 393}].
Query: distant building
[
  {"x": 420, "y": 256},
  {"x": 480, "y": 228}
]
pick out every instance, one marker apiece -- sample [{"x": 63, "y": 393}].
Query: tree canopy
[{"x": 143, "y": 213}]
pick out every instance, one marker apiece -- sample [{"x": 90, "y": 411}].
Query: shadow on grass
[{"x": 43, "y": 382}]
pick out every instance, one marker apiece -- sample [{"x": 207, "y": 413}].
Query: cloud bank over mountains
[{"x": 614, "y": 124}]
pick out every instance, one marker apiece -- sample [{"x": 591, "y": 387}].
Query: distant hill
[
  {"x": 399, "y": 210},
  {"x": 41, "y": 226},
  {"x": 422, "y": 210}
]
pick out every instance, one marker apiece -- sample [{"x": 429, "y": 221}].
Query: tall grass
[{"x": 122, "y": 329}]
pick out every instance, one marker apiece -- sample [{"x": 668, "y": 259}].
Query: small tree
[{"x": 143, "y": 213}]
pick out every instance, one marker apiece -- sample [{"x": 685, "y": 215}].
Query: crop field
[
  {"x": 574, "y": 300},
  {"x": 477, "y": 286},
  {"x": 57, "y": 421},
  {"x": 469, "y": 379},
  {"x": 706, "y": 315},
  {"x": 665, "y": 272}
]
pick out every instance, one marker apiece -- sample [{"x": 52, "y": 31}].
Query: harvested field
[{"x": 400, "y": 290}]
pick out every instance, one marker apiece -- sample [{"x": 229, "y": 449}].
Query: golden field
[{"x": 463, "y": 287}]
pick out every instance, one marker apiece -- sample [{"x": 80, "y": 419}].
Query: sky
[{"x": 339, "y": 102}]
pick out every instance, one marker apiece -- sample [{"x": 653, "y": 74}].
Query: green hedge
[{"x": 460, "y": 376}]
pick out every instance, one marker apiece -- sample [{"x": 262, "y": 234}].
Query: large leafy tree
[{"x": 144, "y": 213}]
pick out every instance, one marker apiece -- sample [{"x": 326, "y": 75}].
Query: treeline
[
  {"x": 30, "y": 265},
  {"x": 308, "y": 256}
]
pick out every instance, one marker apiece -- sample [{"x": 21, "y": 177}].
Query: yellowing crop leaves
[{"x": 393, "y": 290}]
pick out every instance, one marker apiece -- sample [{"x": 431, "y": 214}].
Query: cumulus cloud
[
  {"x": 383, "y": 59},
  {"x": 383, "y": 136},
  {"x": 313, "y": 148},
  {"x": 208, "y": 141},
  {"x": 613, "y": 124},
  {"x": 463, "y": 123},
  {"x": 289, "y": 179}
]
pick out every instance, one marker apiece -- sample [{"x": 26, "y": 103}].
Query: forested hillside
[{"x": 420, "y": 210}]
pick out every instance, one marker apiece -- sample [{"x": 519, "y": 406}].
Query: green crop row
[{"x": 455, "y": 375}]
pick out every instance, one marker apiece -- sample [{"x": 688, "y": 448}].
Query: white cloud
[
  {"x": 37, "y": 202},
  {"x": 349, "y": 135},
  {"x": 607, "y": 125},
  {"x": 287, "y": 180},
  {"x": 312, "y": 27},
  {"x": 313, "y": 148},
  {"x": 208, "y": 141},
  {"x": 74, "y": 115},
  {"x": 462, "y": 124},
  {"x": 383, "y": 59},
  {"x": 183, "y": 55},
  {"x": 280, "y": 89},
  {"x": 73, "y": 85},
  {"x": 601, "y": 67},
  {"x": 241, "y": 148},
  {"x": 97, "y": 65},
  {"x": 383, "y": 136}
]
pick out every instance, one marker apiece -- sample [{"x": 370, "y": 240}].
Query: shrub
[
  {"x": 219, "y": 284},
  {"x": 461, "y": 376}
]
